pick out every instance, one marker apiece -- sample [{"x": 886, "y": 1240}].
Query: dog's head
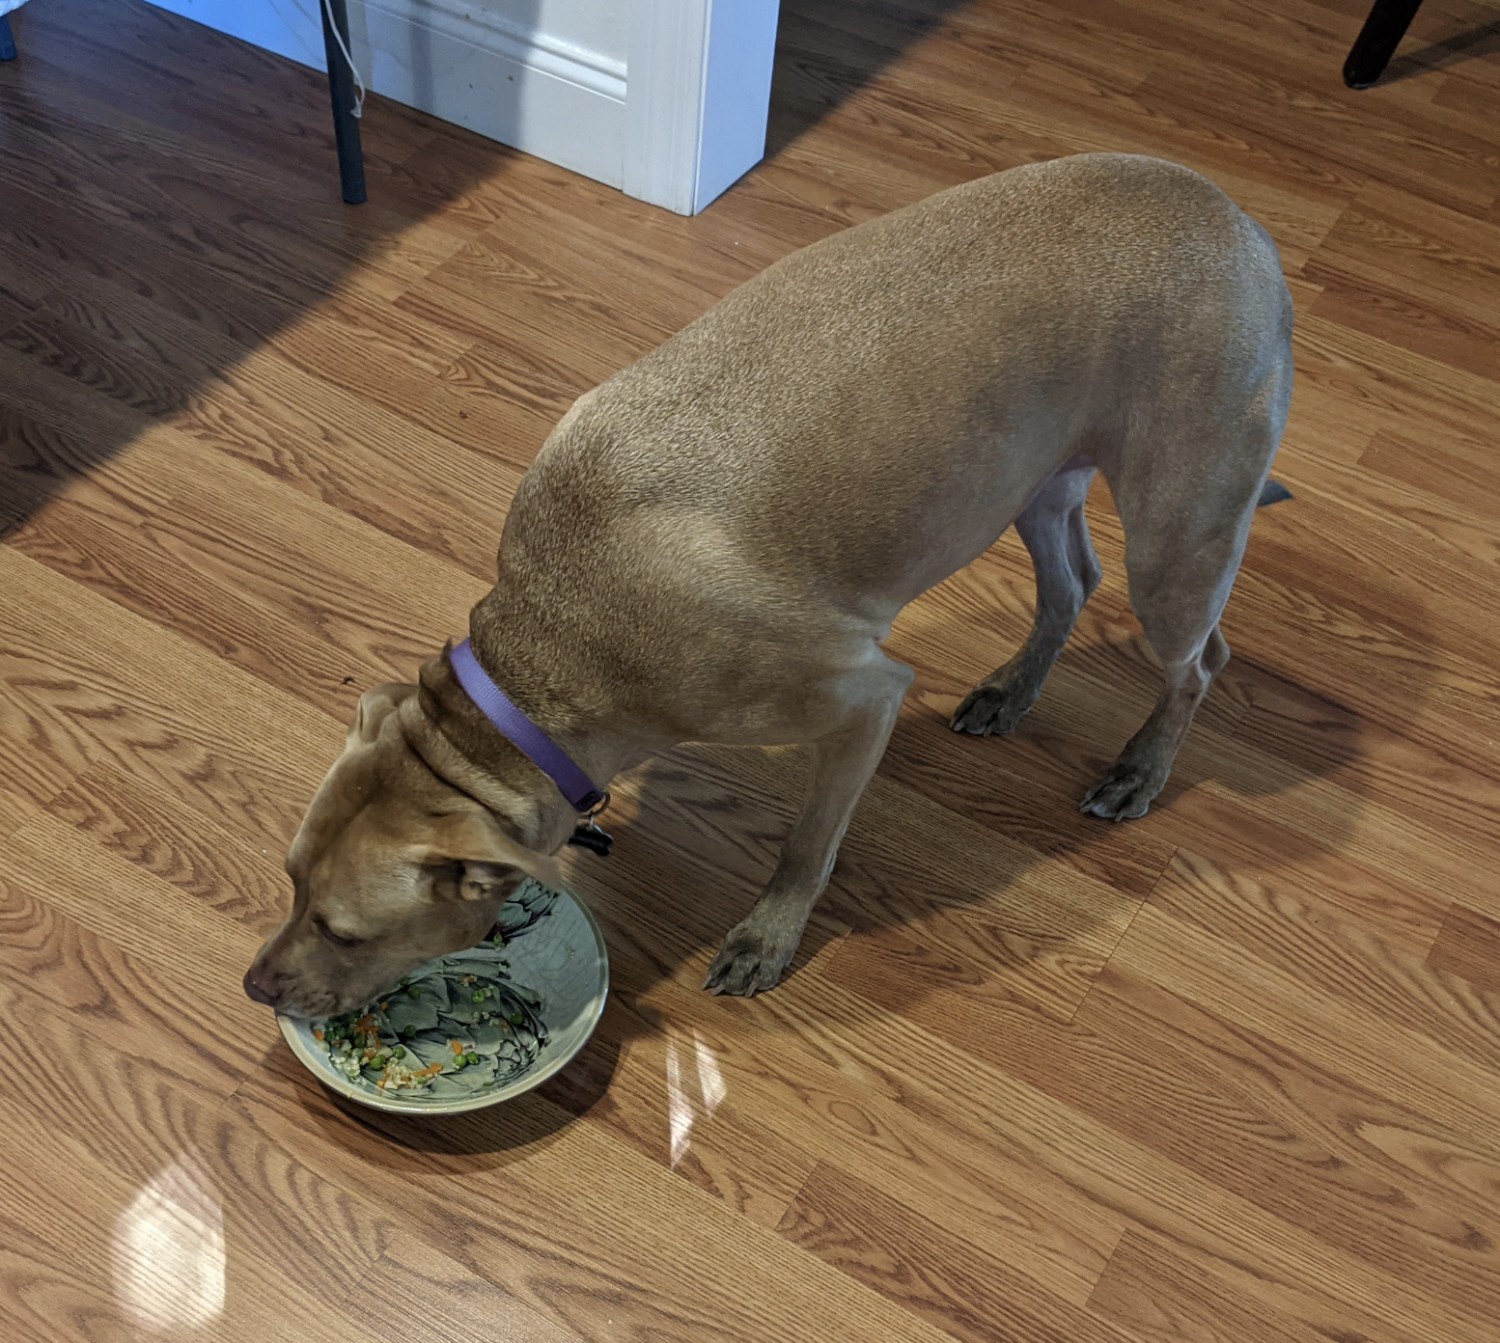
[{"x": 391, "y": 867}]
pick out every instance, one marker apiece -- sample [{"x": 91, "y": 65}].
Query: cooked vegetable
[{"x": 462, "y": 1026}]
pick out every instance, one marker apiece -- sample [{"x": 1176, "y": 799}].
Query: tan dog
[{"x": 712, "y": 545}]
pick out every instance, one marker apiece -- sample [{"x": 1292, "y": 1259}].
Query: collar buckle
[{"x": 588, "y": 835}]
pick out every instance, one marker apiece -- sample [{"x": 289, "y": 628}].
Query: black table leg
[
  {"x": 341, "y": 88},
  {"x": 1378, "y": 40},
  {"x": 7, "y": 41}
]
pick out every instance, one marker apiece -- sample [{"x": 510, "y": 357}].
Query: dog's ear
[
  {"x": 375, "y": 706},
  {"x": 486, "y": 862}
]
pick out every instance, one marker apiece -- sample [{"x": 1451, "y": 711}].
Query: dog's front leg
[{"x": 757, "y": 952}]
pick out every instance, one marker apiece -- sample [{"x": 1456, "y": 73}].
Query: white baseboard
[
  {"x": 699, "y": 80},
  {"x": 466, "y": 65}
]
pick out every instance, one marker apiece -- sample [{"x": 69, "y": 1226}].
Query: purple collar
[{"x": 525, "y": 735}]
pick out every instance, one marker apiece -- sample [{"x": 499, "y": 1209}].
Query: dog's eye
[{"x": 338, "y": 939}]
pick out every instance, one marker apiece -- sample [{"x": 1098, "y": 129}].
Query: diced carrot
[{"x": 319, "y": 1035}]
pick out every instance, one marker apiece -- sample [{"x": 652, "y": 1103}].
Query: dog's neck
[{"x": 461, "y": 745}]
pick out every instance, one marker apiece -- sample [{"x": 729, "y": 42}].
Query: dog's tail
[{"x": 1272, "y": 492}]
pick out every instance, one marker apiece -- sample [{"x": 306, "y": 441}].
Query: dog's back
[{"x": 927, "y": 370}]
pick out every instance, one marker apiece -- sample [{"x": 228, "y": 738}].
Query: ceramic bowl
[{"x": 562, "y": 959}]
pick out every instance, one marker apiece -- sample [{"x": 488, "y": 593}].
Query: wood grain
[
  {"x": 1159, "y": 1297},
  {"x": 1229, "y": 1074},
  {"x": 79, "y": 1272},
  {"x": 1468, "y": 945},
  {"x": 413, "y": 1293},
  {"x": 934, "y": 1275}
]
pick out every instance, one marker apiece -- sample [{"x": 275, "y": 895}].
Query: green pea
[
  {"x": 399, "y": 1052},
  {"x": 471, "y": 1057},
  {"x": 413, "y": 992},
  {"x": 478, "y": 995}
]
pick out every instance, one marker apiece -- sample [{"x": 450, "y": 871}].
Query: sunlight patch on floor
[{"x": 169, "y": 1250}]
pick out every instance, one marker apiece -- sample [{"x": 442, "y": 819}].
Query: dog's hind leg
[
  {"x": 1140, "y": 773},
  {"x": 1187, "y": 517},
  {"x": 1056, "y": 534}
]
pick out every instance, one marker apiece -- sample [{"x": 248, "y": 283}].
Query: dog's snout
[{"x": 259, "y": 988}]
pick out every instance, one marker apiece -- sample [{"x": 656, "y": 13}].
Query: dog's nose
[{"x": 258, "y": 989}]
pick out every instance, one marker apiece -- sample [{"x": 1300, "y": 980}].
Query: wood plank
[
  {"x": 238, "y": 211},
  {"x": 87, "y": 682},
  {"x": 65, "y": 977},
  {"x": 932, "y": 1273},
  {"x": 459, "y": 294},
  {"x": 186, "y": 1247},
  {"x": 1231, "y": 1073},
  {"x": 413, "y": 1293},
  {"x": 1468, "y": 946},
  {"x": 137, "y": 904},
  {"x": 242, "y": 565},
  {"x": 1460, "y": 479},
  {"x": 1286, "y": 922},
  {"x": 131, "y": 818},
  {"x": 1160, "y": 1297},
  {"x": 1421, "y": 151},
  {"x": 1046, "y": 933},
  {"x": 1041, "y": 1137},
  {"x": 1380, "y": 489},
  {"x": 536, "y": 1229},
  {"x": 1386, "y": 238},
  {"x": 154, "y": 59},
  {"x": 1352, "y": 385},
  {"x": 1455, "y": 1093},
  {"x": 259, "y": 408},
  {"x": 663, "y": 1092}
]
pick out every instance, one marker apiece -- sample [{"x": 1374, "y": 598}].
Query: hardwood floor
[{"x": 1230, "y": 1074}]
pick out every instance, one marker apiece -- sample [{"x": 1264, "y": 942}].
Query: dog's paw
[
  {"x": 748, "y": 963},
  {"x": 993, "y": 710},
  {"x": 1124, "y": 793}
]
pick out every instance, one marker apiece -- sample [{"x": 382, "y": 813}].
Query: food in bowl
[{"x": 457, "y": 1027}]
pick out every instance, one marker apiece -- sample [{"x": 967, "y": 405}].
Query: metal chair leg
[
  {"x": 1378, "y": 40},
  {"x": 341, "y": 90}
]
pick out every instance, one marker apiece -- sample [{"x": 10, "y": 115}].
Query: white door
[{"x": 666, "y": 99}]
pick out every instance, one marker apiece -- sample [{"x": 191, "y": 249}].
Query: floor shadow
[
  {"x": 1459, "y": 49},
  {"x": 500, "y": 1132},
  {"x": 150, "y": 159},
  {"x": 827, "y": 50},
  {"x": 711, "y": 821}
]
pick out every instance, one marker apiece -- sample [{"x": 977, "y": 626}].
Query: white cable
[{"x": 359, "y": 98}]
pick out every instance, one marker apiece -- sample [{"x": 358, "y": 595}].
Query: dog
[{"x": 712, "y": 545}]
